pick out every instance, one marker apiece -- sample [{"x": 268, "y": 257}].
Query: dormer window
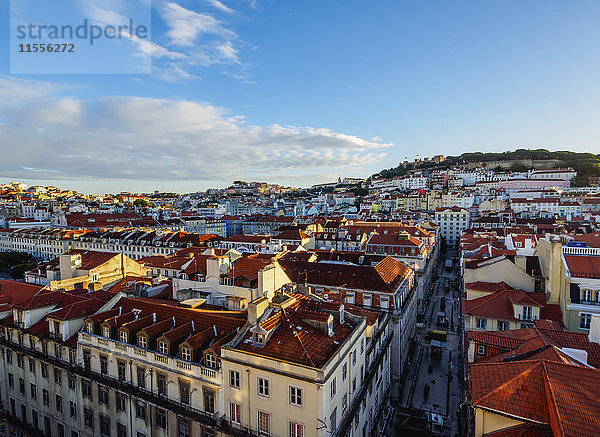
[
  {"x": 106, "y": 331},
  {"x": 56, "y": 327},
  {"x": 527, "y": 313},
  {"x": 211, "y": 361},
  {"x": 123, "y": 336},
  {"x": 89, "y": 327},
  {"x": 186, "y": 354},
  {"x": 163, "y": 347},
  {"x": 142, "y": 341}
]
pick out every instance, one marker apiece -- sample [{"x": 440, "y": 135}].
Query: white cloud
[
  {"x": 187, "y": 26},
  {"x": 137, "y": 138},
  {"x": 220, "y": 6}
]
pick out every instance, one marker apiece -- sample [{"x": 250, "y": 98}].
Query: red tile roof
[
  {"x": 499, "y": 305},
  {"x": 583, "y": 266},
  {"x": 12, "y": 292},
  {"x": 385, "y": 276},
  {"x": 563, "y": 396}
]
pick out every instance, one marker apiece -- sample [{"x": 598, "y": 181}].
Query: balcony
[
  {"x": 178, "y": 408},
  {"x": 590, "y": 302},
  {"x": 153, "y": 358},
  {"x": 347, "y": 420}
]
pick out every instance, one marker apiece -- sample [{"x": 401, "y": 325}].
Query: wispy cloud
[
  {"x": 220, "y": 6},
  {"x": 135, "y": 138},
  {"x": 193, "y": 40},
  {"x": 186, "y": 26}
]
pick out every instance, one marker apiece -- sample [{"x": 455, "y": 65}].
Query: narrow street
[{"x": 433, "y": 387}]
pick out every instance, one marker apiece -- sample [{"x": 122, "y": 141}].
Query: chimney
[
  {"x": 594, "y": 335},
  {"x": 521, "y": 262},
  {"x": 256, "y": 309}
]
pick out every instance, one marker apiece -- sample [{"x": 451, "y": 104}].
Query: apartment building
[
  {"x": 80, "y": 269},
  {"x": 452, "y": 221},
  {"x": 572, "y": 274},
  {"x": 508, "y": 309},
  {"x": 48, "y": 243},
  {"x": 103, "y": 364},
  {"x": 205, "y": 225},
  {"x": 305, "y": 367},
  {"x": 388, "y": 285},
  {"x": 38, "y": 361}
]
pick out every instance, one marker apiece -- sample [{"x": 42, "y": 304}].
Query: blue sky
[{"x": 302, "y": 92}]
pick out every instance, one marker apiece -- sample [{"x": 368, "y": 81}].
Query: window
[
  {"x": 20, "y": 360},
  {"x": 106, "y": 331},
  {"x": 21, "y": 386},
  {"x": 104, "y": 425},
  {"x": 344, "y": 402},
  {"x": 103, "y": 395},
  {"x": 121, "y": 370},
  {"x": 73, "y": 409},
  {"x": 367, "y": 300},
  {"x": 354, "y": 357},
  {"x": 585, "y": 321},
  {"x": 161, "y": 418},
  {"x": 481, "y": 323},
  {"x": 47, "y": 426},
  {"x": 333, "y": 388},
  {"x": 502, "y": 326},
  {"x": 211, "y": 361},
  {"x": 74, "y": 434},
  {"x": 350, "y": 298},
  {"x": 141, "y": 376},
  {"x": 184, "y": 392},
  {"x": 481, "y": 349},
  {"x": 263, "y": 386},
  {"x": 103, "y": 364},
  {"x": 362, "y": 346},
  {"x": 140, "y": 410},
  {"x": 333, "y": 420},
  {"x": 344, "y": 371},
  {"x": 46, "y": 396},
  {"x": 121, "y": 430},
  {"x": 33, "y": 391},
  {"x": 89, "y": 327},
  {"x": 209, "y": 401},
  {"x": 123, "y": 336},
  {"x": 120, "y": 402},
  {"x": 142, "y": 341},
  {"x": 586, "y": 296},
  {"x": 163, "y": 347},
  {"x": 86, "y": 388},
  {"x": 296, "y": 396},
  {"x": 183, "y": 428},
  {"x": 234, "y": 379},
  {"x": 161, "y": 384},
  {"x": 186, "y": 354},
  {"x": 60, "y": 430},
  {"x": 264, "y": 423},
  {"x": 296, "y": 430},
  {"x": 9, "y": 356},
  {"x": 31, "y": 365},
  {"x": 72, "y": 382},
  {"x": 59, "y": 403},
  {"x": 235, "y": 413},
  {"x": 354, "y": 384},
  {"x": 57, "y": 376},
  {"x": 527, "y": 313},
  {"x": 35, "y": 420},
  {"x": 385, "y": 302}
]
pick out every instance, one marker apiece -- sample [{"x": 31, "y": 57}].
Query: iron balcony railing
[{"x": 178, "y": 408}]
